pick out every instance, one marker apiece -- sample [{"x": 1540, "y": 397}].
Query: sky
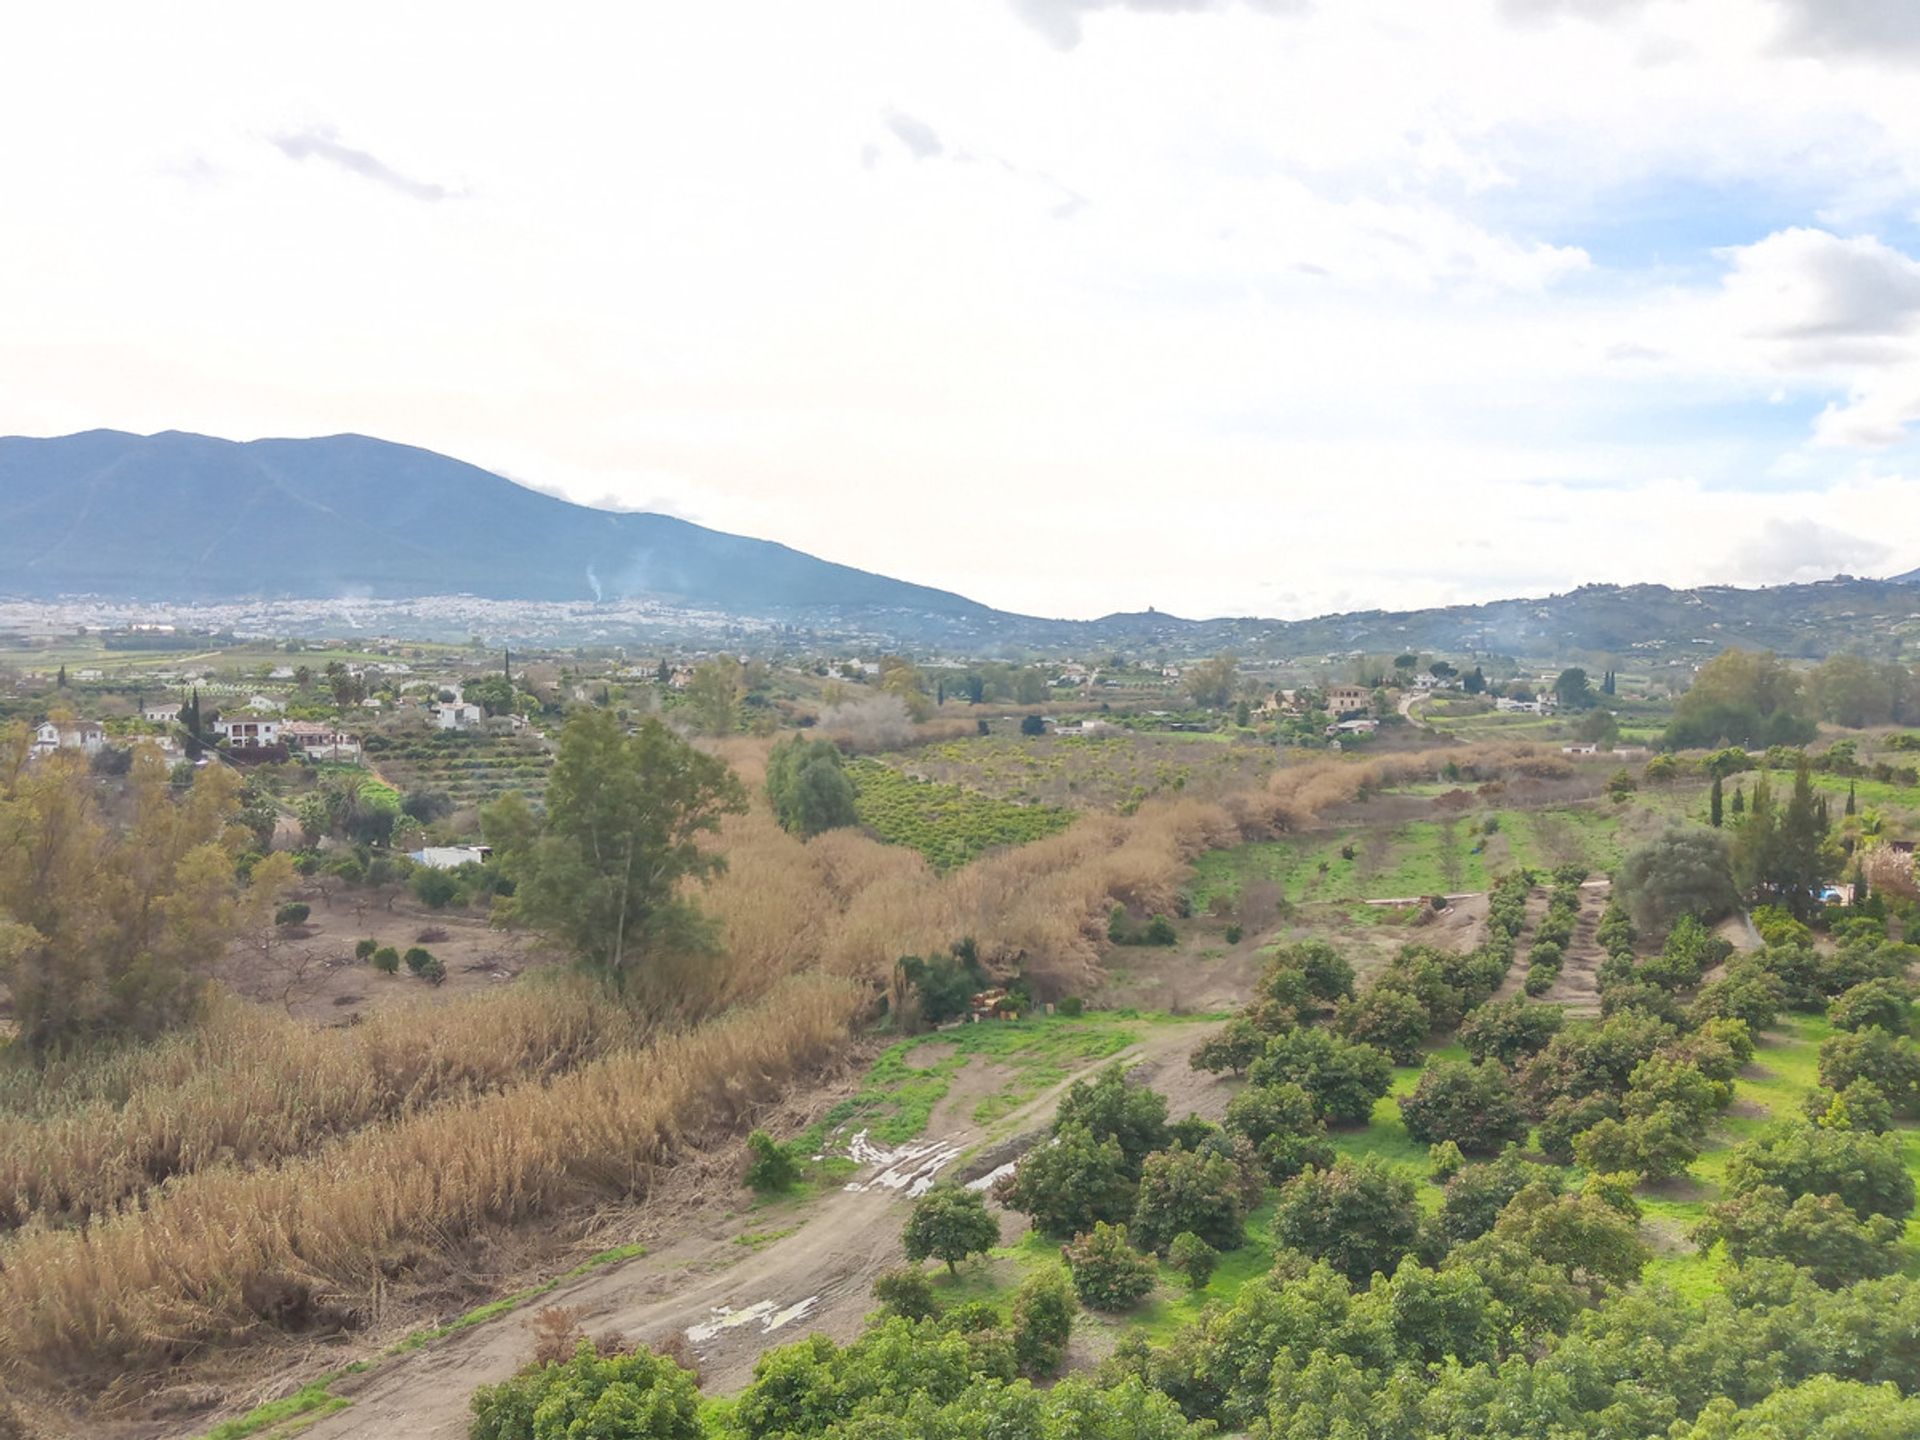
[{"x": 1271, "y": 307}]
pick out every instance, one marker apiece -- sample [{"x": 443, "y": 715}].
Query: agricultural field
[
  {"x": 470, "y": 767},
  {"x": 949, "y": 824},
  {"x": 1092, "y": 772},
  {"x": 1442, "y": 856}
]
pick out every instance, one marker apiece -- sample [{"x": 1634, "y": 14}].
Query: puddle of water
[
  {"x": 985, "y": 1182},
  {"x": 768, "y": 1313},
  {"x": 912, "y": 1167}
]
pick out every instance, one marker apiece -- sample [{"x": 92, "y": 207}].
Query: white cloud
[{"x": 1073, "y": 305}]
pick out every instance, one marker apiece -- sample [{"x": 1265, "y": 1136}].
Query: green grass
[
  {"x": 311, "y": 1402},
  {"x": 898, "y": 1098}
]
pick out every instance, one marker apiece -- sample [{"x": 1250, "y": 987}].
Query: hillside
[{"x": 188, "y": 517}]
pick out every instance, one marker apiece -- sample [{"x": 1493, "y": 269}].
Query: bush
[
  {"x": 417, "y": 959},
  {"x": 950, "y": 1224},
  {"x": 945, "y": 984},
  {"x": 294, "y": 912},
  {"x": 1234, "y": 933},
  {"x": 1471, "y": 1105},
  {"x": 1234, "y": 1046},
  {"x": 1043, "y": 1321},
  {"x": 386, "y": 960},
  {"x": 434, "y": 888},
  {"x": 771, "y": 1165},
  {"x": 1359, "y": 1217},
  {"x": 1444, "y": 1161},
  {"x": 1107, "y": 1272},
  {"x": 905, "y": 1291},
  {"x": 1193, "y": 1258},
  {"x": 433, "y": 972},
  {"x": 643, "y": 1393},
  {"x": 363, "y": 949},
  {"x": 1187, "y": 1190}
]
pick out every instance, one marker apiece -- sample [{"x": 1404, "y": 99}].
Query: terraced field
[{"x": 470, "y": 767}]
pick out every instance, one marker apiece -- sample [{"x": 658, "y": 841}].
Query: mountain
[{"x": 188, "y": 517}]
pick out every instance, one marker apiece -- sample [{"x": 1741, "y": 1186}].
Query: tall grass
[
  {"x": 227, "y": 1254},
  {"x": 247, "y": 1086}
]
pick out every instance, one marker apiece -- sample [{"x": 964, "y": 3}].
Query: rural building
[
  {"x": 1348, "y": 699},
  {"x": 456, "y": 715},
  {"x": 320, "y": 742},
  {"x": 248, "y": 732},
  {"x": 266, "y": 702},
  {"x": 86, "y": 737},
  {"x": 450, "y": 857},
  {"x": 167, "y": 714}
]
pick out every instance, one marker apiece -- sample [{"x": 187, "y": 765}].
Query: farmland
[
  {"x": 949, "y": 824},
  {"x": 1092, "y": 772},
  {"x": 470, "y": 767}
]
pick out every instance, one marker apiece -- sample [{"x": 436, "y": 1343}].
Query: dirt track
[{"x": 732, "y": 1301}]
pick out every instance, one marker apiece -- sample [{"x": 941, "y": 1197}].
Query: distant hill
[{"x": 187, "y": 517}]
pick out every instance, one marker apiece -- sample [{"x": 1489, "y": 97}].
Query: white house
[
  {"x": 266, "y": 702},
  {"x": 248, "y": 732},
  {"x": 86, "y": 737},
  {"x": 320, "y": 742},
  {"x": 456, "y": 715},
  {"x": 88, "y": 675},
  {"x": 167, "y": 714},
  {"x": 450, "y": 857}
]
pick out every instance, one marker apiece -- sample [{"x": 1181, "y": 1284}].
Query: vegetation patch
[{"x": 949, "y": 824}]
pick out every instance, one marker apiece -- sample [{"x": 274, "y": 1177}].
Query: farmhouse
[
  {"x": 450, "y": 857},
  {"x": 248, "y": 732},
  {"x": 1343, "y": 700},
  {"x": 167, "y": 714},
  {"x": 456, "y": 715},
  {"x": 86, "y": 737},
  {"x": 320, "y": 742}
]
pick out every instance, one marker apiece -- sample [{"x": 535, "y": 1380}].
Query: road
[{"x": 731, "y": 1300}]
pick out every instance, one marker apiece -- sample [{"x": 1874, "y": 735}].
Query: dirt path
[{"x": 733, "y": 1300}]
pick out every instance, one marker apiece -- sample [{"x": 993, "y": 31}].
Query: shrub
[
  {"x": 363, "y": 949},
  {"x": 950, "y": 1224},
  {"x": 1444, "y": 1161},
  {"x": 770, "y": 1165},
  {"x": 945, "y": 984},
  {"x": 589, "y": 1394},
  {"x": 294, "y": 912},
  {"x": 1187, "y": 1190},
  {"x": 386, "y": 960},
  {"x": 1233, "y": 934},
  {"x": 1193, "y": 1258},
  {"x": 905, "y": 1291},
  {"x": 434, "y": 888},
  {"x": 433, "y": 971},
  {"x": 1043, "y": 1321},
  {"x": 1344, "y": 1078},
  {"x": 1471, "y": 1105},
  {"x": 417, "y": 959},
  {"x": 1108, "y": 1274},
  {"x": 1359, "y": 1217}
]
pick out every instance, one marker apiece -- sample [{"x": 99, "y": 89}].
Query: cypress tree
[
  {"x": 1713, "y": 804},
  {"x": 1850, "y": 797},
  {"x": 1739, "y": 800}
]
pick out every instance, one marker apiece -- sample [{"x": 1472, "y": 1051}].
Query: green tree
[
  {"x": 492, "y": 693},
  {"x": 1742, "y": 697},
  {"x": 1471, "y": 1105},
  {"x": 1572, "y": 688},
  {"x": 809, "y": 788},
  {"x": 1715, "y": 805},
  {"x": 949, "y": 1224},
  {"x": 1193, "y": 1258},
  {"x": 1108, "y": 1274},
  {"x": 625, "y": 817},
  {"x": 1210, "y": 682},
  {"x": 1679, "y": 872},
  {"x": 1343, "y": 1078},
  {"x": 713, "y": 694},
  {"x": 638, "y": 1396},
  {"x": 1360, "y": 1217},
  {"x": 1187, "y": 1190},
  {"x": 1043, "y": 1310},
  {"x": 1070, "y": 1185},
  {"x": 1107, "y": 1107}
]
